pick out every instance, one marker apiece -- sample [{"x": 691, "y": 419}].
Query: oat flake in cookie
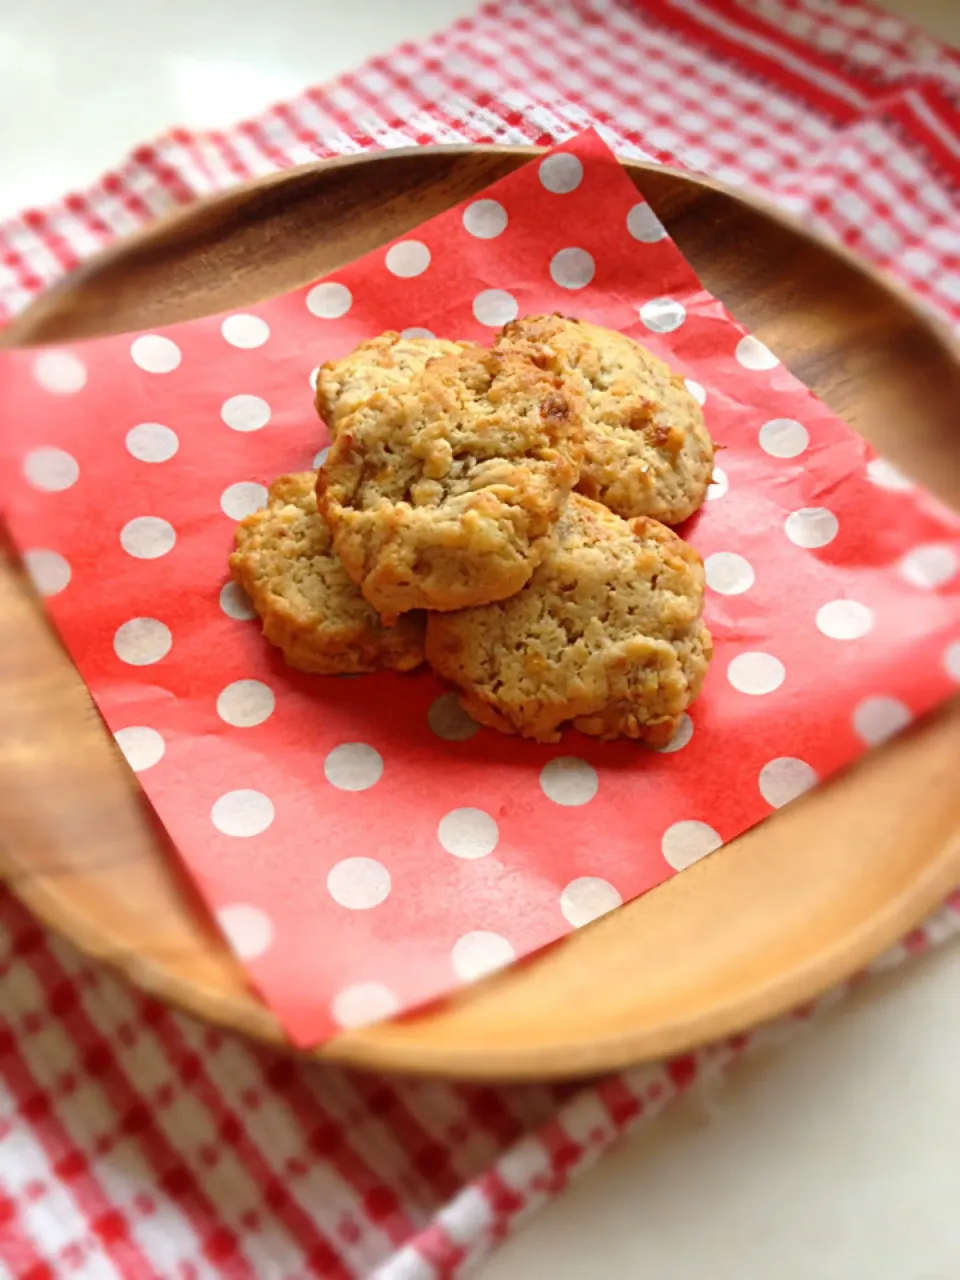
[
  {"x": 343, "y": 385},
  {"x": 309, "y": 607},
  {"x": 647, "y": 451},
  {"x": 606, "y": 637},
  {"x": 441, "y": 491}
]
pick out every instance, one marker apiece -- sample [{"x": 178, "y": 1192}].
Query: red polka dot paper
[{"x": 364, "y": 846}]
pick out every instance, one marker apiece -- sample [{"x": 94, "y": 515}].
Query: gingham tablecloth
[{"x": 136, "y": 1142}]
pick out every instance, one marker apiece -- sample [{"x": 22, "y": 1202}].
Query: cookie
[
  {"x": 441, "y": 491},
  {"x": 647, "y": 451},
  {"x": 343, "y": 385},
  {"x": 309, "y": 607},
  {"x": 606, "y": 637}
]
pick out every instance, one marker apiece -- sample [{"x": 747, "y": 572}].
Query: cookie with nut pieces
[
  {"x": 647, "y": 450},
  {"x": 309, "y": 608},
  {"x": 606, "y": 637},
  {"x": 344, "y": 384},
  {"x": 441, "y": 491}
]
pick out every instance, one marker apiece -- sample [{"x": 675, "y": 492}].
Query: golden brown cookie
[
  {"x": 606, "y": 636},
  {"x": 343, "y": 385},
  {"x": 647, "y": 451},
  {"x": 309, "y": 607},
  {"x": 441, "y": 490}
]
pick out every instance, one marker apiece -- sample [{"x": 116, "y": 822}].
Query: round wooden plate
[{"x": 769, "y": 921}]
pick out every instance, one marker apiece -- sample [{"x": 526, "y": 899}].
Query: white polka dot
[
  {"x": 587, "y": 899},
  {"x": 142, "y": 641},
  {"x": 142, "y": 747},
  {"x": 752, "y": 354},
  {"x": 478, "y": 954},
  {"x": 785, "y": 778},
  {"x": 696, "y": 390},
  {"x": 148, "y": 537},
  {"x": 245, "y": 331},
  {"x": 155, "y": 354},
  {"x": 680, "y": 739},
  {"x": 152, "y": 442},
  {"x": 718, "y": 486},
  {"x": 415, "y": 331},
  {"x": 242, "y": 499},
  {"x": 756, "y": 673},
  {"x": 321, "y": 457},
  {"x": 877, "y": 719},
  {"x": 663, "y": 315},
  {"x": 495, "y": 307},
  {"x": 245, "y": 703},
  {"x": 242, "y": 813},
  {"x": 235, "y": 602},
  {"x": 930, "y": 566},
  {"x": 248, "y": 930},
  {"x": 359, "y": 883},
  {"x": 728, "y": 573},
  {"x": 572, "y": 268},
  {"x": 49, "y": 571},
  {"x": 569, "y": 780},
  {"x": 485, "y": 219},
  {"x": 468, "y": 833},
  {"x": 561, "y": 173},
  {"x": 811, "y": 527},
  {"x": 687, "y": 842},
  {"x": 644, "y": 225},
  {"x": 329, "y": 301},
  {"x": 886, "y": 476},
  {"x": 60, "y": 372},
  {"x": 314, "y": 375},
  {"x": 783, "y": 438},
  {"x": 951, "y": 661},
  {"x": 363, "y": 1003},
  {"x": 844, "y": 619},
  {"x": 353, "y": 766},
  {"x": 245, "y": 413},
  {"x": 52, "y": 470},
  {"x": 408, "y": 258},
  {"x": 449, "y": 721}
]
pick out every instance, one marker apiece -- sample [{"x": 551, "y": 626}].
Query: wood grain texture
[{"x": 771, "y": 920}]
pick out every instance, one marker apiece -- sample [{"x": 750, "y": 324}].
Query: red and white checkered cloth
[{"x": 135, "y": 1142}]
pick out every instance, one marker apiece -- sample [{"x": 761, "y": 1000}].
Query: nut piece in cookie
[
  {"x": 309, "y": 607},
  {"x": 647, "y": 451},
  {"x": 442, "y": 490},
  {"x": 343, "y": 385},
  {"x": 606, "y": 636}
]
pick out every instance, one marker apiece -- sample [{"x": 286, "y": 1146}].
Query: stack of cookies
[{"x": 501, "y": 514}]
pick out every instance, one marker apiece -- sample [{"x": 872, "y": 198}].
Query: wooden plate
[{"x": 768, "y": 922}]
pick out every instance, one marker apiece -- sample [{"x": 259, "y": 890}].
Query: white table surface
[{"x": 836, "y": 1158}]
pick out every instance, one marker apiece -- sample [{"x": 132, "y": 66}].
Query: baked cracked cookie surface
[
  {"x": 441, "y": 491},
  {"x": 343, "y": 385},
  {"x": 308, "y": 606},
  {"x": 607, "y": 635},
  {"x": 647, "y": 451}
]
